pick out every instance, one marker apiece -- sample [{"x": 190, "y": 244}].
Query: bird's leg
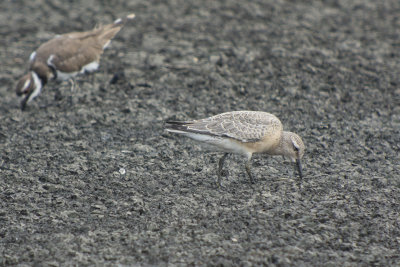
[
  {"x": 247, "y": 165},
  {"x": 92, "y": 78},
  {"x": 220, "y": 165},
  {"x": 72, "y": 82},
  {"x": 74, "y": 86}
]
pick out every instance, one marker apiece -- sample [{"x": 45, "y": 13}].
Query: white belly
[
  {"x": 68, "y": 75},
  {"x": 62, "y": 76},
  {"x": 90, "y": 67},
  {"x": 220, "y": 143}
]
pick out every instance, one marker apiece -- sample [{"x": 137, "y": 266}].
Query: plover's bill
[
  {"x": 243, "y": 132},
  {"x": 66, "y": 56}
]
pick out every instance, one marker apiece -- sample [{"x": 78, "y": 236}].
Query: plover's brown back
[
  {"x": 71, "y": 52},
  {"x": 65, "y": 56}
]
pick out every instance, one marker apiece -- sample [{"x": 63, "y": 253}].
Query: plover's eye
[{"x": 296, "y": 148}]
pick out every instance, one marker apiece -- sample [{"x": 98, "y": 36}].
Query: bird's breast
[{"x": 266, "y": 145}]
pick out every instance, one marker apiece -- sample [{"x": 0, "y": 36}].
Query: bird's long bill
[{"x": 298, "y": 163}]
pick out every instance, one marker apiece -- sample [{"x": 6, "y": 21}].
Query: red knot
[{"x": 243, "y": 132}]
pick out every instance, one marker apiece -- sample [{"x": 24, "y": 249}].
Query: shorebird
[
  {"x": 243, "y": 132},
  {"x": 65, "y": 56}
]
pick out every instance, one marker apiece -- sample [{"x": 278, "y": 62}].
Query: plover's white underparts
[{"x": 66, "y": 56}]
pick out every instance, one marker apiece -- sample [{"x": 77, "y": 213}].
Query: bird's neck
[
  {"x": 281, "y": 149},
  {"x": 42, "y": 71}
]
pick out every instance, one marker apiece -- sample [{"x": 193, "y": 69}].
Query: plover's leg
[
  {"x": 220, "y": 166},
  {"x": 247, "y": 165},
  {"x": 74, "y": 86},
  {"x": 72, "y": 82}
]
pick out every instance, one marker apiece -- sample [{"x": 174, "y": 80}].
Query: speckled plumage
[
  {"x": 244, "y": 126},
  {"x": 243, "y": 132}
]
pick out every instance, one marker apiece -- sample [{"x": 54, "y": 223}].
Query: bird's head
[
  {"x": 28, "y": 87},
  {"x": 293, "y": 147}
]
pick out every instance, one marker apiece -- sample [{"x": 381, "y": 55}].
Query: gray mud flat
[{"x": 90, "y": 177}]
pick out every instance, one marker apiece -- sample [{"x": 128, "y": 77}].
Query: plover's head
[{"x": 28, "y": 87}]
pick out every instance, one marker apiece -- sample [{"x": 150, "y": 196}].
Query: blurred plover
[
  {"x": 243, "y": 132},
  {"x": 66, "y": 56}
]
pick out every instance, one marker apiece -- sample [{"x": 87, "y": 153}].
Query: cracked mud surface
[{"x": 90, "y": 178}]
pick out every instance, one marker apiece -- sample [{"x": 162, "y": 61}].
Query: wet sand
[{"x": 90, "y": 177}]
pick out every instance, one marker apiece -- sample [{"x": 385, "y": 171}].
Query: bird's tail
[
  {"x": 176, "y": 126},
  {"x": 109, "y": 31},
  {"x": 122, "y": 21}
]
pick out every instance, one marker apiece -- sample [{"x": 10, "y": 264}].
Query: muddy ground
[{"x": 330, "y": 70}]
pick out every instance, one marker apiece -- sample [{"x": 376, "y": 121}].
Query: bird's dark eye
[{"x": 296, "y": 148}]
